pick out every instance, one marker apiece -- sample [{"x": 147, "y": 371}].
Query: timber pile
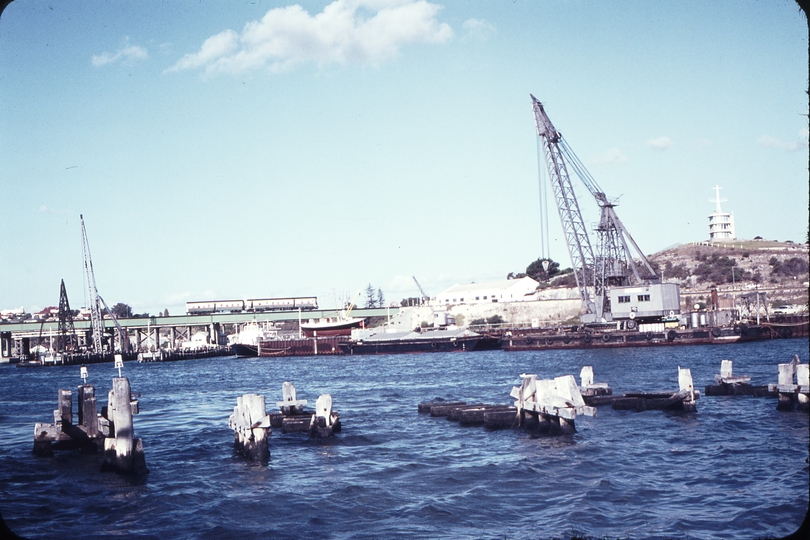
[
  {"x": 793, "y": 386},
  {"x": 549, "y": 405},
  {"x": 593, "y": 393},
  {"x": 110, "y": 431},
  {"x": 729, "y": 384},
  {"x": 542, "y": 406},
  {"x": 487, "y": 415},
  {"x": 292, "y": 417},
  {"x": 682, "y": 400},
  {"x": 252, "y": 425}
]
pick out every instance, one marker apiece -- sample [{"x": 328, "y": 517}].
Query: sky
[{"x": 235, "y": 150}]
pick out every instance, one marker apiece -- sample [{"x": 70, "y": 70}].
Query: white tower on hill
[{"x": 721, "y": 224}]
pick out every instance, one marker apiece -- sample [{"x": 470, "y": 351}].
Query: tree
[
  {"x": 543, "y": 269},
  {"x": 122, "y": 311},
  {"x": 380, "y": 298},
  {"x": 370, "y": 300}
]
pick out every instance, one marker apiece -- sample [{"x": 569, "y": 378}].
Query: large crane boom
[
  {"x": 614, "y": 263},
  {"x": 576, "y": 236},
  {"x": 96, "y": 322},
  {"x": 96, "y": 302}
]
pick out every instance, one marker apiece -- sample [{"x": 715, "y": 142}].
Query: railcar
[
  {"x": 281, "y": 304},
  {"x": 215, "y": 306}
]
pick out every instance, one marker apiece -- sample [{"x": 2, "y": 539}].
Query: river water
[{"x": 737, "y": 468}]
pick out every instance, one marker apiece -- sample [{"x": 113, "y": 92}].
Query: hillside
[{"x": 779, "y": 268}]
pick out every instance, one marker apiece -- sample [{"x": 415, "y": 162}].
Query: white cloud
[
  {"x": 613, "y": 155},
  {"x": 661, "y": 143},
  {"x": 772, "y": 142},
  {"x": 130, "y": 53},
  {"x": 347, "y": 31},
  {"x": 478, "y": 30}
]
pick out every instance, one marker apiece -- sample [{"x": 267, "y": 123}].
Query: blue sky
[{"x": 259, "y": 149}]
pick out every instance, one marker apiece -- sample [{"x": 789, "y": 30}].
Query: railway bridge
[{"x": 145, "y": 332}]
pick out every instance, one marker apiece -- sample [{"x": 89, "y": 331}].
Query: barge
[
  {"x": 583, "y": 337},
  {"x": 417, "y": 341}
]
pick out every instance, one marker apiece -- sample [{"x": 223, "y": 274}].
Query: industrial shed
[{"x": 509, "y": 290}]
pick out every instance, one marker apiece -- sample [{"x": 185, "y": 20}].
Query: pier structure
[{"x": 147, "y": 333}]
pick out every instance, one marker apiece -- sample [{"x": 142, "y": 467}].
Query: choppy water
[{"x": 736, "y": 468}]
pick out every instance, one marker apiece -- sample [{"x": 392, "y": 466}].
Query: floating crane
[
  {"x": 613, "y": 265},
  {"x": 96, "y": 302}
]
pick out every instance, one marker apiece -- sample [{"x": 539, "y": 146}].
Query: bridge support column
[
  {"x": 213, "y": 333},
  {"x": 5, "y": 344}
]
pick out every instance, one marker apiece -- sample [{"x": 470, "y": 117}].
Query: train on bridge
[{"x": 253, "y": 305}]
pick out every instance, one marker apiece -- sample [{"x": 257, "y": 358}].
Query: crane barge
[{"x": 616, "y": 281}]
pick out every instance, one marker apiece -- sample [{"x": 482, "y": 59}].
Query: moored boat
[
  {"x": 341, "y": 325},
  {"x": 246, "y": 342},
  {"x": 331, "y": 326},
  {"x": 416, "y": 341}
]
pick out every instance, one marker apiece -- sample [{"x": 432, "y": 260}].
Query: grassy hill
[{"x": 779, "y": 268}]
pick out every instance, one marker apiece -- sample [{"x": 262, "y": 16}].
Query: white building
[
  {"x": 509, "y": 290},
  {"x": 721, "y": 224}
]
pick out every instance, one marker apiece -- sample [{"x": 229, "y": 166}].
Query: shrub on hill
[
  {"x": 789, "y": 268},
  {"x": 719, "y": 269}
]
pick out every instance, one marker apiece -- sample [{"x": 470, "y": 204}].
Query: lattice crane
[
  {"x": 96, "y": 301},
  {"x": 425, "y": 297},
  {"x": 613, "y": 263}
]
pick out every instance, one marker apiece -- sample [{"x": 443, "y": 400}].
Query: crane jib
[{"x": 614, "y": 264}]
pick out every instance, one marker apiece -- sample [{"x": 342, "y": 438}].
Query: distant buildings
[
  {"x": 721, "y": 224},
  {"x": 512, "y": 290}
]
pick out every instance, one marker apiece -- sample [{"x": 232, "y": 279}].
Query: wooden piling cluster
[
  {"x": 252, "y": 425},
  {"x": 466, "y": 414},
  {"x": 793, "y": 385},
  {"x": 682, "y": 400},
  {"x": 593, "y": 394},
  {"x": 729, "y": 384},
  {"x": 111, "y": 431},
  {"x": 547, "y": 406}
]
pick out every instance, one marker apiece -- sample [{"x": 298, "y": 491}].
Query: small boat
[
  {"x": 416, "y": 341},
  {"x": 150, "y": 356},
  {"x": 334, "y": 326},
  {"x": 341, "y": 325}
]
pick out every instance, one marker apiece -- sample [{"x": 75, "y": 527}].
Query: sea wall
[{"x": 541, "y": 311}]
